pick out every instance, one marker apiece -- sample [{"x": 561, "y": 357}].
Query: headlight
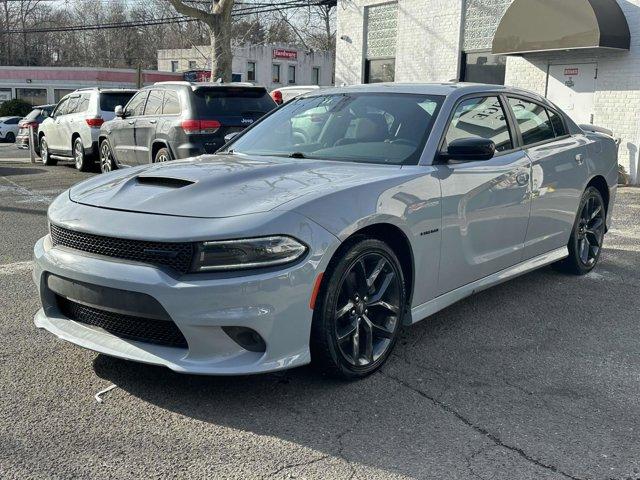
[{"x": 247, "y": 253}]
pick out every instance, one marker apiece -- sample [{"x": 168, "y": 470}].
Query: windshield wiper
[{"x": 297, "y": 155}]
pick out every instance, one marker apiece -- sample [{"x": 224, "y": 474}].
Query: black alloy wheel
[{"x": 359, "y": 315}]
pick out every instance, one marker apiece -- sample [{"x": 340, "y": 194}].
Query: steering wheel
[{"x": 404, "y": 141}]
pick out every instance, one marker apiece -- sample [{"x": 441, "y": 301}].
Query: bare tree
[{"x": 218, "y": 19}]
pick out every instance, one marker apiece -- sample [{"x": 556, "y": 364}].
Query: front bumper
[{"x": 275, "y": 304}]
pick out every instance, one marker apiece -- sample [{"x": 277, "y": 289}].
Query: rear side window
[
  {"x": 222, "y": 101},
  {"x": 558, "y": 125},
  {"x": 72, "y": 105},
  {"x": 136, "y": 106},
  {"x": 154, "y": 103},
  {"x": 171, "y": 103},
  {"x": 110, "y": 100},
  {"x": 12, "y": 121},
  {"x": 481, "y": 117},
  {"x": 533, "y": 121},
  {"x": 83, "y": 103}
]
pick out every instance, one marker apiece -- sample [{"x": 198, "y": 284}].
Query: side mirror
[
  {"x": 470, "y": 149},
  {"x": 230, "y": 136},
  {"x": 119, "y": 111}
]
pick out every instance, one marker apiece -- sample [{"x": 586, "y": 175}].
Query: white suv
[{"x": 72, "y": 130}]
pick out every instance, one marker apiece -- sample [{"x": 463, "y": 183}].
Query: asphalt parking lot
[{"x": 534, "y": 379}]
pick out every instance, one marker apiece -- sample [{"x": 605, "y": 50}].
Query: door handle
[
  {"x": 131, "y": 122},
  {"x": 579, "y": 159},
  {"x": 522, "y": 179},
  {"x": 152, "y": 121}
]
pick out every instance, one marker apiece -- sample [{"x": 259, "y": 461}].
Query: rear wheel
[
  {"x": 162, "y": 155},
  {"x": 10, "y": 137},
  {"x": 585, "y": 244},
  {"x": 359, "y": 312},
  {"x": 79, "y": 157},
  {"x": 45, "y": 156}
]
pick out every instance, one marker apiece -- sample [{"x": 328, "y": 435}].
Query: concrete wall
[
  {"x": 428, "y": 42},
  {"x": 262, "y": 55}
]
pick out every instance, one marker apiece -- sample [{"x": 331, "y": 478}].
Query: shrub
[{"x": 15, "y": 107}]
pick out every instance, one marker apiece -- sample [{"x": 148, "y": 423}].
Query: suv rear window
[
  {"x": 232, "y": 101},
  {"x": 110, "y": 100}
]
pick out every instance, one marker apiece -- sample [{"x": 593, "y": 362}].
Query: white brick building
[
  {"x": 273, "y": 65},
  {"x": 443, "y": 40}
]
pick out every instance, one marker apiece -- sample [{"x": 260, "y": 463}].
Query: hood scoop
[{"x": 168, "y": 182}]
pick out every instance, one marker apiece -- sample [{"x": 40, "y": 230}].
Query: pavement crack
[
  {"x": 297, "y": 464},
  {"x": 492, "y": 437}
]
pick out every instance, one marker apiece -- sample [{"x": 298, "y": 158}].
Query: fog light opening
[{"x": 247, "y": 338}]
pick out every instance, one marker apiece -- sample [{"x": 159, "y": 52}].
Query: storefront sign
[
  {"x": 285, "y": 54},
  {"x": 571, "y": 72}
]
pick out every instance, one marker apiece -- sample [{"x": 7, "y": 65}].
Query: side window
[
  {"x": 72, "y": 105},
  {"x": 83, "y": 103},
  {"x": 135, "y": 107},
  {"x": 533, "y": 121},
  {"x": 558, "y": 124},
  {"x": 12, "y": 121},
  {"x": 61, "y": 108},
  {"x": 481, "y": 117},
  {"x": 171, "y": 104},
  {"x": 154, "y": 103}
]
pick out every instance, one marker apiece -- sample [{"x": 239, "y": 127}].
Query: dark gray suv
[{"x": 171, "y": 120}]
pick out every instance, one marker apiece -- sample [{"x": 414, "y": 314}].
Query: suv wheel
[
  {"x": 163, "y": 155},
  {"x": 358, "y": 316},
  {"x": 79, "y": 156},
  {"x": 107, "y": 163},
  {"x": 44, "y": 153}
]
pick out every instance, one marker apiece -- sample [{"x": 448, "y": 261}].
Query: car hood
[{"x": 215, "y": 186}]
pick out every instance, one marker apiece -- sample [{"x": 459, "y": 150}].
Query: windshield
[
  {"x": 110, "y": 100},
  {"x": 359, "y": 127}
]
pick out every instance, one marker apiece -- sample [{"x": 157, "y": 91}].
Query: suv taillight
[
  {"x": 95, "y": 122},
  {"x": 277, "y": 96},
  {"x": 28, "y": 124},
  {"x": 200, "y": 126}
]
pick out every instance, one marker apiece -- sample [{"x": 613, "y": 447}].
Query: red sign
[
  {"x": 285, "y": 54},
  {"x": 571, "y": 72}
]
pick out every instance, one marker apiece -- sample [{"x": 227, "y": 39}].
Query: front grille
[
  {"x": 177, "y": 256},
  {"x": 159, "y": 332}
]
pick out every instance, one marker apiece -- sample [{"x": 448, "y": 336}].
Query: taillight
[
  {"x": 200, "y": 126},
  {"x": 29, "y": 124},
  {"x": 95, "y": 122},
  {"x": 277, "y": 96}
]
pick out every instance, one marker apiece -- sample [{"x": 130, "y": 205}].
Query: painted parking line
[
  {"x": 15, "y": 267},
  {"x": 29, "y": 196}
]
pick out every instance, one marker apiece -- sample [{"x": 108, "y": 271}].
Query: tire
[
  {"x": 107, "y": 162},
  {"x": 45, "y": 155},
  {"x": 79, "y": 157},
  {"x": 162, "y": 155},
  {"x": 356, "y": 323},
  {"x": 585, "y": 244},
  {"x": 10, "y": 137}
]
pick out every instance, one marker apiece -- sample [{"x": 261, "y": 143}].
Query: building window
[
  {"x": 315, "y": 76},
  {"x": 292, "y": 74},
  {"x": 483, "y": 67},
  {"x": 174, "y": 65},
  {"x": 58, "y": 93},
  {"x": 5, "y": 94},
  {"x": 251, "y": 71},
  {"x": 34, "y": 96},
  {"x": 382, "y": 32},
  {"x": 275, "y": 73},
  {"x": 192, "y": 65}
]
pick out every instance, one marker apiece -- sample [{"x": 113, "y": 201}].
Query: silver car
[{"x": 319, "y": 232}]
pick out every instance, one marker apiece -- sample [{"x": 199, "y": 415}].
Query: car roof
[
  {"x": 298, "y": 87},
  {"x": 2, "y": 119},
  {"x": 441, "y": 89},
  {"x": 105, "y": 90},
  {"x": 198, "y": 85}
]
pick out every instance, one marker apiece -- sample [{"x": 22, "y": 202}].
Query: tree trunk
[{"x": 221, "y": 57}]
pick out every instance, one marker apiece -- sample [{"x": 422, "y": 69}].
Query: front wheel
[
  {"x": 358, "y": 314},
  {"x": 45, "y": 155},
  {"x": 585, "y": 244}
]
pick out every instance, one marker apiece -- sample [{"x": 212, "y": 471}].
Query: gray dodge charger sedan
[{"x": 322, "y": 230}]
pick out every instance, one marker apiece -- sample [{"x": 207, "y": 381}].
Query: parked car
[
  {"x": 287, "y": 248},
  {"x": 284, "y": 94},
  {"x": 72, "y": 130},
  {"x": 33, "y": 119},
  {"x": 178, "y": 120},
  {"x": 9, "y": 128}
]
